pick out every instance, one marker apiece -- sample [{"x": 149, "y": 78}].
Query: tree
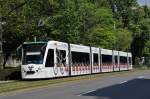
[
  {"x": 102, "y": 37},
  {"x": 123, "y": 39},
  {"x": 122, "y": 10},
  {"x": 21, "y": 17},
  {"x": 105, "y": 23},
  {"x": 66, "y": 22}
]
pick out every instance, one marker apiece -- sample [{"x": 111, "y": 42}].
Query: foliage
[
  {"x": 10, "y": 74},
  {"x": 124, "y": 38},
  {"x": 102, "y": 37},
  {"x": 113, "y": 24}
]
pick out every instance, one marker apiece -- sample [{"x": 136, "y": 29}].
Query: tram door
[
  {"x": 123, "y": 63},
  {"x": 107, "y": 65},
  {"x": 116, "y": 64},
  {"x": 50, "y": 64},
  {"x": 56, "y": 63},
  {"x": 96, "y": 67},
  {"x": 61, "y": 59}
]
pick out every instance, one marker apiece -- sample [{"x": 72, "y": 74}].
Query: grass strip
[{"x": 23, "y": 85}]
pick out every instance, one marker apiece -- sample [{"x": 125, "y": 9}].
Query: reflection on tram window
[
  {"x": 106, "y": 59},
  {"x": 95, "y": 59},
  {"x": 61, "y": 57},
  {"x": 123, "y": 59},
  {"x": 116, "y": 59},
  {"x": 80, "y": 58}
]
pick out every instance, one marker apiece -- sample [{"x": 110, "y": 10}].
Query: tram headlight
[{"x": 38, "y": 69}]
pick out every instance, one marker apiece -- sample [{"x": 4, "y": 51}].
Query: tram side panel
[
  {"x": 62, "y": 61},
  {"x": 123, "y": 61},
  {"x": 107, "y": 62},
  {"x": 56, "y": 60},
  {"x": 80, "y": 60}
]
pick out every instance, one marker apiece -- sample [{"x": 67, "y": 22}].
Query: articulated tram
[{"x": 58, "y": 59}]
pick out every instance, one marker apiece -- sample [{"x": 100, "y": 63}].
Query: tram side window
[
  {"x": 123, "y": 59},
  {"x": 106, "y": 58},
  {"x": 95, "y": 58},
  {"x": 116, "y": 59},
  {"x": 61, "y": 56},
  {"x": 79, "y": 57},
  {"x": 50, "y": 58},
  {"x": 130, "y": 60}
]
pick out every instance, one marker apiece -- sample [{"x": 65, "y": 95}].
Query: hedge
[{"x": 10, "y": 74}]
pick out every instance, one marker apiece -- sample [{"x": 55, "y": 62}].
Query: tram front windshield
[{"x": 33, "y": 53}]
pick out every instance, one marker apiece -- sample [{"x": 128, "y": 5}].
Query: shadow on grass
[{"x": 10, "y": 74}]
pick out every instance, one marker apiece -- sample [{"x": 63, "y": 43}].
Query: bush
[{"x": 10, "y": 74}]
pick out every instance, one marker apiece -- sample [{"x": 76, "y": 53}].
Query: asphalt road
[{"x": 133, "y": 86}]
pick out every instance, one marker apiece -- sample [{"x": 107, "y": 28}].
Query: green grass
[{"x": 28, "y": 85}]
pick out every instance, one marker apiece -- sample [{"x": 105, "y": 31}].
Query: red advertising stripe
[
  {"x": 76, "y": 68},
  {"x": 66, "y": 69},
  {"x": 73, "y": 68}
]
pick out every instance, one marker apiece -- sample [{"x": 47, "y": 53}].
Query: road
[{"x": 131, "y": 86}]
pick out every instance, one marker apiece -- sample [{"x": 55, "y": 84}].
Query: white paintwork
[
  {"x": 38, "y": 69},
  {"x": 56, "y": 71},
  {"x": 80, "y": 48},
  {"x": 123, "y": 66},
  {"x": 122, "y": 53},
  {"x": 115, "y": 52},
  {"x": 106, "y": 51},
  {"x": 50, "y": 72},
  {"x": 77, "y": 69}
]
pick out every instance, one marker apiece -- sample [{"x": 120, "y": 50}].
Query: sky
[{"x": 143, "y": 2}]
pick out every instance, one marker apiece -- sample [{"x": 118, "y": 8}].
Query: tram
[{"x": 59, "y": 59}]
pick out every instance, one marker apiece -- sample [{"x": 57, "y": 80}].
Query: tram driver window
[{"x": 50, "y": 58}]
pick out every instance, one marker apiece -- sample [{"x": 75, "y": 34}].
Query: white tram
[{"x": 57, "y": 59}]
